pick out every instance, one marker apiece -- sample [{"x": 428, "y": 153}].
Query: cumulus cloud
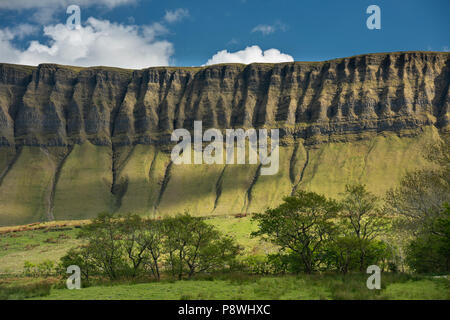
[
  {"x": 267, "y": 29},
  {"x": 176, "y": 15},
  {"x": 250, "y": 55},
  {"x": 99, "y": 42},
  {"x": 33, "y": 4},
  {"x": 20, "y": 31}
]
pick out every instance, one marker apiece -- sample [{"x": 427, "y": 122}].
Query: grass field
[
  {"x": 51, "y": 243},
  {"x": 314, "y": 287},
  {"x": 34, "y": 246},
  {"x": 39, "y": 242}
]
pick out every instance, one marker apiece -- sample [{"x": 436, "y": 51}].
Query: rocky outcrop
[
  {"x": 58, "y": 105},
  {"x": 118, "y": 122}
]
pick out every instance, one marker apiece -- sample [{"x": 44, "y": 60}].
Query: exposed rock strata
[{"x": 117, "y": 123}]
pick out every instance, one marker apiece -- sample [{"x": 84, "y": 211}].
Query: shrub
[
  {"x": 80, "y": 257},
  {"x": 257, "y": 265},
  {"x": 429, "y": 252}
]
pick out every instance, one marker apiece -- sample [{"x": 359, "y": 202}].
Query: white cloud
[
  {"x": 99, "y": 42},
  {"x": 267, "y": 29},
  {"x": 22, "y": 30},
  {"x": 250, "y": 55},
  {"x": 154, "y": 30},
  {"x": 44, "y": 15},
  {"x": 46, "y": 9},
  {"x": 34, "y": 4},
  {"x": 176, "y": 15},
  {"x": 264, "y": 29},
  {"x": 8, "y": 52}
]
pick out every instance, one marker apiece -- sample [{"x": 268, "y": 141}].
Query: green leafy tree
[
  {"x": 132, "y": 233},
  {"x": 104, "y": 245},
  {"x": 419, "y": 198},
  {"x": 80, "y": 257},
  {"x": 301, "y": 226},
  {"x": 342, "y": 254},
  {"x": 194, "y": 246},
  {"x": 430, "y": 250},
  {"x": 420, "y": 207},
  {"x": 219, "y": 255},
  {"x": 361, "y": 222},
  {"x": 151, "y": 236}
]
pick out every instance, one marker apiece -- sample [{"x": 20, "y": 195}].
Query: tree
[
  {"x": 342, "y": 254},
  {"x": 141, "y": 240},
  {"x": 361, "y": 221},
  {"x": 80, "y": 257},
  {"x": 301, "y": 225},
  {"x": 420, "y": 197},
  {"x": 106, "y": 250},
  {"x": 420, "y": 207},
  {"x": 430, "y": 250},
  {"x": 152, "y": 237},
  {"x": 218, "y": 255},
  {"x": 194, "y": 246}
]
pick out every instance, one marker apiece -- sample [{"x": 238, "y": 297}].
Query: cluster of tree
[
  {"x": 421, "y": 207},
  {"x": 130, "y": 246},
  {"x": 317, "y": 233}
]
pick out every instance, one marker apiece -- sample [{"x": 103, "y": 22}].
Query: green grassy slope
[
  {"x": 194, "y": 183},
  {"x": 145, "y": 181},
  {"x": 379, "y": 162},
  {"x": 24, "y": 190},
  {"x": 6, "y": 157},
  {"x": 84, "y": 186},
  {"x": 142, "y": 176},
  {"x": 268, "y": 191},
  {"x": 34, "y": 246}
]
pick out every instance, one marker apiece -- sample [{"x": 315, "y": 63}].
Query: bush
[
  {"x": 80, "y": 257},
  {"x": 42, "y": 269},
  {"x": 429, "y": 252},
  {"x": 259, "y": 265}
]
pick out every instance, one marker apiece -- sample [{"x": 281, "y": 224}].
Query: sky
[{"x": 143, "y": 33}]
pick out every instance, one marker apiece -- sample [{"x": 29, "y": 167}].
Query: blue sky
[{"x": 140, "y": 33}]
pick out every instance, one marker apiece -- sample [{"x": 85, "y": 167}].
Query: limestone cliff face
[
  {"x": 58, "y": 105},
  {"x": 117, "y": 116}
]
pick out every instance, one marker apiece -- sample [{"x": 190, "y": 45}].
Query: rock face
[{"x": 76, "y": 141}]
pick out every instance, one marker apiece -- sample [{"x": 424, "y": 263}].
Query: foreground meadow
[
  {"x": 48, "y": 242},
  {"x": 241, "y": 287}
]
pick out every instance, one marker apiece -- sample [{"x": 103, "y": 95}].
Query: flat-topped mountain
[{"x": 77, "y": 141}]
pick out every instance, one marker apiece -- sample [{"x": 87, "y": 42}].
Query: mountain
[{"x": 78, "y": 141}]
